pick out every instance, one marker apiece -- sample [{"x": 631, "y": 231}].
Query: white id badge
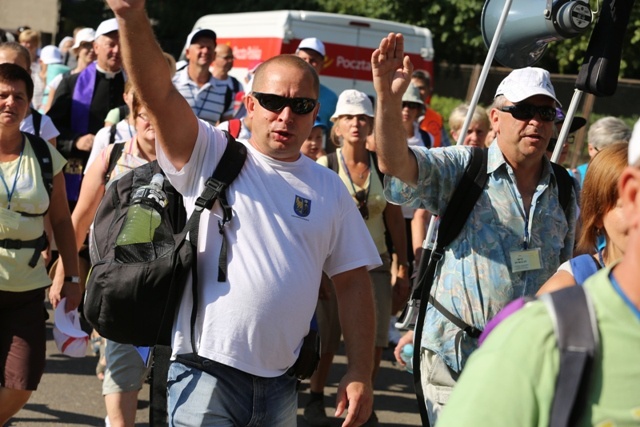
[
  {"x": 525, "y": 260},
  {"x": 9, "y": 218}
]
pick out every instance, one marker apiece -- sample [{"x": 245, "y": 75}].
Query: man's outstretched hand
[{"x": 391, "y": 68}]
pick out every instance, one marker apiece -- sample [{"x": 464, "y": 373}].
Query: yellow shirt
[{"x": 29, "y": 196}]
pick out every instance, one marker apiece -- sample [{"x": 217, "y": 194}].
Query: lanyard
[
  {"x": 624, "y": 297},
  {"x": 15, "y": 179},
  {"x": 346, "y": 169}
]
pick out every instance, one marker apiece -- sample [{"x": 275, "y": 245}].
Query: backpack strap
[
  {"x": 225, "y": 172},
  {"x": 235, "y": 125},
  {"x": 583, "y": 267},
  {"x": 426, "y": 137},
  {"x": 457, "y": 212},
  {"x": 229, "y": 94},
  {"x": 576, "y": 330},
  {"x": 37, "y": 121},
  {"x": 43, "y": 155},
  {"x": 565, "y": 185},
  {"x": 113, "y": 130},
  {"x": 114, "y": 156},
  {"x": 332, "y": 162}
]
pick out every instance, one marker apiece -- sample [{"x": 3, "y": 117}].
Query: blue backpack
[{"x": 576, "y": 331}]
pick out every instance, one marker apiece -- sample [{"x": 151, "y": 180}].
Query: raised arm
[
  {"x": 175, "y": 124},
  {"x": 391, "y": 77}
]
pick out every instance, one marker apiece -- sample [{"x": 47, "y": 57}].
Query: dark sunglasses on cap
[
  {"x": 528, "y": 112},
  {"x": 277, "y": 103}
]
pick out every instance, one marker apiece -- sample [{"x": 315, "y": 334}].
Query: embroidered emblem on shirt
[{"x": 302, "y": 206}]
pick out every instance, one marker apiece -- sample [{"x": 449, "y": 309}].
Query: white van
[{"x": 349, "y": 42}]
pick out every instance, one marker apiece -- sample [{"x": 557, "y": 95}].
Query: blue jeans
[{"x": 206, "y": 393}]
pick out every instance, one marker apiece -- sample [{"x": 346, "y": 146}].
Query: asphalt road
[{"x": 70, "y": 394}]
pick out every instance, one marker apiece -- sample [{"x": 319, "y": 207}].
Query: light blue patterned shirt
[{"x": 475, "y": 280}]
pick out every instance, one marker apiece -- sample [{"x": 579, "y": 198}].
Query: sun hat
[
  {"x": 319, "y": 123},
  {"x": 200, "y": 32},
  {"x": 106, "y": 27},
  {"x": 64, "y": 41},
  {"x": 526, "y": 82},
  {"x": 353, "y": 102},
  {"x": 634, "y": 144},
  {"x": 576, "y": 122},
  {"x": 70, "y": 339},
  {"x": 50, "y": 55},
  {"x": 313, "y": 44},
  {"x": 82, "y": 36},
  {"x": 412, "y": 94}
]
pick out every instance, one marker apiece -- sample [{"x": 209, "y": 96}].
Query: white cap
[
  {"x": 200, "y": 32},
  {"x": 412, "y": 94},
  {"x": 64, "y": 41},
  {"x": 313, "y": 44},
  {"x": 106, "y": 27},
  {"x": 84, "y": 35},
  {"x": 352, "y": 102},
  {"x": 527, "y": 82},
  {"x": 70, "y": 339},
  {"x": 51, "y": 55},
  {"x": 634, "y": 144}
]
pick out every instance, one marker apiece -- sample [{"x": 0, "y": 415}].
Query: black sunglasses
[
  {"x": 277, "y": 103},
  {"x": 411, "y": 105},
  {"x": 361, "y": 197},
  {"x": 528, "y": 112}
]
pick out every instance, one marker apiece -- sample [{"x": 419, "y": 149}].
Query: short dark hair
[
  {"x": 288, "y": 60},
  {"x": 15, "y": 73}
]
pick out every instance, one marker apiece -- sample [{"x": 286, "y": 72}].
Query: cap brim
[
  {"x": 68, "y": 323},
  {"x": 577, "y": 123}
]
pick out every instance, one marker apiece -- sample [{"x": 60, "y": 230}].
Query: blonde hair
[
  {"x": 32, "y": 36},
  {"x": 457, "y": 116}
]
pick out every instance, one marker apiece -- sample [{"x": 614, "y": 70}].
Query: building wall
[{"x": 41, "y": 15}]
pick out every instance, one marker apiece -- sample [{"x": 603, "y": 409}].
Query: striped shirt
[{"x": 207, "y": 102}]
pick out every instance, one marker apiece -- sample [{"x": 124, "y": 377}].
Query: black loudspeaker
[
  {"x": 599, "y": 73},
  {"x": 531, "y": 25}
]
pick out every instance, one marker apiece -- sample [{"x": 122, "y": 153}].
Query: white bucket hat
[
  {"x": 412, "y": 94},
  {"x": 70, "y": 339},
  {"x": 352, "y": 102}
]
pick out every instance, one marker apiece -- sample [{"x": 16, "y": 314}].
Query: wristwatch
[{"x": 72, "y": 279}]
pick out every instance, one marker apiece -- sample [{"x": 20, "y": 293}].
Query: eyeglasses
[
  {"x": 553, "y": 141},
  {"x": 411, "y": 105},
  {"x": 144, "y": 117},
  {"x": 361, "y": 197},
  {"x": 277, "y": 103},
  {"x": 528, "y": 112}
]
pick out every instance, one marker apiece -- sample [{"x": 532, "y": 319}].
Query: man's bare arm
[
  {"x": 391, "y": 77},
  {"x": 175, "y": 124},
  {"x": 357, "y": 317}
]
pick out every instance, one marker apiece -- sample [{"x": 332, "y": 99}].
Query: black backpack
[{"x": 135, "y": 302}]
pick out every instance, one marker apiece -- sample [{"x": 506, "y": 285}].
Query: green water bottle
[{"x": 143, "y": 216}]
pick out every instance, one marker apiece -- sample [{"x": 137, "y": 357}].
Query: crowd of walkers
[{"x": 330, "y": 212}]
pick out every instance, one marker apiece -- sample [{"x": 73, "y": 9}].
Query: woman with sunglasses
[
  {"x": 353, "y": 123},
  {"x": 125, "y": 370}
]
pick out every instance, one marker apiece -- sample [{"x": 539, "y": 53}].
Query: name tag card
[{"x": 525, "y": 260}]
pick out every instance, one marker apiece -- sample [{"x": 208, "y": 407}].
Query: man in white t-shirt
[{"x": 292, "y": 220}]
